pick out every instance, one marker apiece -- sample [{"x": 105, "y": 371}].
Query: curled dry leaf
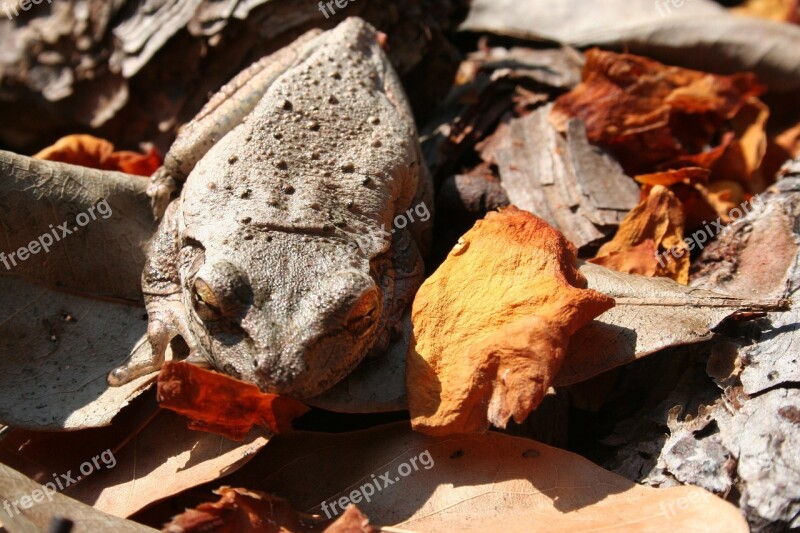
[
  {"x": 654, "y": 116},
  {"x": 486, "y": 482},
  {"x": 492, "y": 324},
  {"x": 244, "y": 511},
  {"x": 92, "y": 152},
  {"x": 651, "y": 228},
  {"x": 220, "y": 404}
]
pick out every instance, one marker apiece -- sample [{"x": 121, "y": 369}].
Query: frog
[{"x": 282, "y": 261}]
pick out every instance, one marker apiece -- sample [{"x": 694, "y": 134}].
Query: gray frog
[{"x": 254, "y": 264}]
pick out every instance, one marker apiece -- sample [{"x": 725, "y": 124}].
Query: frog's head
[{"x": 292, "y": 315}]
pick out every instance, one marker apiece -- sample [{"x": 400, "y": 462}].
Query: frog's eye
[
  {"x": 206, "y": 303},
  {"x": 363, "y": 314},
  {"x": 219, "y": 291}
]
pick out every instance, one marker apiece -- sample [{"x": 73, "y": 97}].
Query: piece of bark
[
  {"x": 574, "y": 186},
  {"x": 492, "y": 83},
  {"x": 741, "y": 435}
]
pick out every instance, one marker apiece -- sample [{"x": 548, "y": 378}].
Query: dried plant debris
[
  {"x": 138, "y": 71},
  {"x": 742, "y": 436},
  {"x": 653, "y": 227},
  {"x": 223, "y": 405},
  {"x": 240, "y": 510},
  {"x": 488, "y": 482},
  {"x": 657, "y": 117},
  {"x": 700, "y": 34},
  {"x": 571, "y": 184}
]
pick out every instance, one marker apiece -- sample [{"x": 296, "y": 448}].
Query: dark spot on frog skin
[{"x": 349, "y": 168}]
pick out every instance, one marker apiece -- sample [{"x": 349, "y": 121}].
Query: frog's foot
[
  {"x": 162, "y": 187},
  {"x": 167, "y": 321}
]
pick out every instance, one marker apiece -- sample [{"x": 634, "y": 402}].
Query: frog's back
[{"x": 330, "y": 150}]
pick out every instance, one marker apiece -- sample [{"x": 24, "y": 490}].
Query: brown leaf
[
  {"x": 56, "y": 350},
  {"x": 486, "y": 482},
  {"x": 650, "y": 314},
  {"x": 491, "y": 325},
  {"x": 653, "y": 227},
  {"x": 220, "y": 404},
  {"x": 241, "y": 510},
  {"x": 92, "y": 152},
  {"x": 43, "y": 507},
  {"x": 653, "y": 116},
  {"x": 161, "y": 460}
]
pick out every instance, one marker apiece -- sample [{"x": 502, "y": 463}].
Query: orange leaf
[
  {"x": 92, "y": 152},
  {"x": 655, "y": 225},
  {"x": 668, "y": 178},
  {"x": 654, "y": 116},
  {"x": 244, "y": 511},
  {"x": 220, "y": 404},
  {"x": 491, "y": 325}
]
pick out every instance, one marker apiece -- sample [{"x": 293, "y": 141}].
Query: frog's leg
[
  {"x": 227, "y": 109},
  {"x": 162, "y": 296}
]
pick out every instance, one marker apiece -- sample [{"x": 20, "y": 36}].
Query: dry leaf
[
  {"x": 89, "y": 151},
  {"x": 56, "y": 350},
  {"x": 649, "y": 241},
  {"x": 94, "y": 224},
  {"x": 42, "y": 510},
  {"x": 650, "y": 314},
  {"x": 667, "y": 178},
  {"x": 487, "y": 482},
  {"x": 221, "y": 404},
  {"x": 240, "y": 510},
  {"x": 161, "y": 460},
  {"x": 653, "y": 116},
  {"x": 700, "y": 34},
  {"x": 491, "y": 325}
]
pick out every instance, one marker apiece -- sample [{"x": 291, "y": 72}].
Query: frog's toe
[{"x": 160, "y": 191}]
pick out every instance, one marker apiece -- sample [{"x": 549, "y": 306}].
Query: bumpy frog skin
[{"x": 254, "y": 264}]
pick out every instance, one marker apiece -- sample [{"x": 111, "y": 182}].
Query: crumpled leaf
[
  {"x": 161, "y": 460},
  {"x": 652, "y": 227},
  {"x": 89, "y": 151},
  {"x": 241, "y": 510},
  {"x": 700, "y": 34},
  {"x": 492, "y": 324},
  {"x": 221, "y": 404},
  {"x": 487, "y": 482},
  {"x": 653, "y": 116},
  {"x": 37, "y": 518}
]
